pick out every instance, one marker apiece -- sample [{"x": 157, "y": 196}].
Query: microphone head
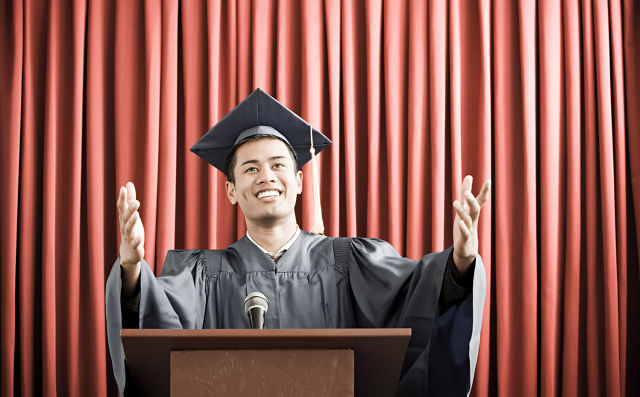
[
  {"x": 256, "y": 299},
  {"x": 256, "y": 305}
]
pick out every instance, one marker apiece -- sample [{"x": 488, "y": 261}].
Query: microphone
[{"x": 256, "y": 306}]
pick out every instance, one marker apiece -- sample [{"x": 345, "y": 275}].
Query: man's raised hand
[
  {"x": 131, "y": 236},
  {"x": 465, "y": 226}
]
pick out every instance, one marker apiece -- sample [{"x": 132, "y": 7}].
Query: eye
[
  {"x": 279, "y": 165},
  {"x": 251, "y": 169}
]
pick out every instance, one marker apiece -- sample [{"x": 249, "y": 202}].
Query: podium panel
[
  {"x": 262, "y": 373},
  {"x": 153, "y": 356}
]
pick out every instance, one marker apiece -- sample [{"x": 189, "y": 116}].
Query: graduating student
[{"x": 310, "y": 280}]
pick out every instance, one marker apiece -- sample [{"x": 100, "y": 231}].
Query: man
[{"x": 311, "y": 281}]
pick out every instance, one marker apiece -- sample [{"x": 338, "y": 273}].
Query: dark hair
[{"x": 230, "y": 162}]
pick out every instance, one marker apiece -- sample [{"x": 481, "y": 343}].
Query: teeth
[{"x": 268, "y": 193}]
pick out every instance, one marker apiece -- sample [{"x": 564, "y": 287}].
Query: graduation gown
[{"x": 319, "y": 282}]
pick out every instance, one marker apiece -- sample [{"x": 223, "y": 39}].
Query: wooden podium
[{"x": 269, "y": 362}]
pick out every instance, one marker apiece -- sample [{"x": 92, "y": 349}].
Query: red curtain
[{"x": 541, "y": 97}]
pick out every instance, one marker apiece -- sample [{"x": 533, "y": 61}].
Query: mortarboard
[
  {"x": 260, "y": 113},
  {"x": 250, "y": 117}
]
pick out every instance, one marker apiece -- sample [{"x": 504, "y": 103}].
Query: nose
[{"x": 266, "y": 175}]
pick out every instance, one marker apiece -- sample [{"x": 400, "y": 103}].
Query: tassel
[{"x": 318, "y": 226}]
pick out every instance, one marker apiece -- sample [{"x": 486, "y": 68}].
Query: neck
[{"x": 272, "y": 237}]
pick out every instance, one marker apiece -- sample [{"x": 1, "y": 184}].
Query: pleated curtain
[{"x": 542, "y": 97}]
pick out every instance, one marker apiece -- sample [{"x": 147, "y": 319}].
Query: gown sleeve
[
  {"x": 391, "y": 291},
  {"x": 170, "y": 301}
]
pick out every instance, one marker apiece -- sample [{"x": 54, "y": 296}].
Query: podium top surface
[
  {"x": 378, "y": 352},
  {"x": 183, "y": 335}
]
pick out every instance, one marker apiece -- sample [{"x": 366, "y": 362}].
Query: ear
[
  {"x": 231, "y": 192},
  {"x": 299, "y": 181}
]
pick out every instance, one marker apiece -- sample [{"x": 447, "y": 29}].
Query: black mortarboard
[{"x": 253, "y": 116}]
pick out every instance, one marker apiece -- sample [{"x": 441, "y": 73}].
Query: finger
[
  {"x": 467, "y": 182},
  {"x": 484, "y": 193},
  {"x": 122, "y": 200},
  {"x": 462, "y": 213},
  {"x": 125, "y": 218},
  {"x": 132, "y": 220},
  {"x": 123, "y": 207},
  {"x": 140, "y": 250},
  {"x": 472, "y": 204},
  {"x": 131, "y": 192},
  {"x": 129, "y": 226},
  {"x": 125, "y": 231},
  {"x": 136, "y": 238},
  {"x": 464, "y": 231},
  {"x": 137, "y": 242},
  {"x": 130, "y": 211},
  {"x": 133, "y": 236}
]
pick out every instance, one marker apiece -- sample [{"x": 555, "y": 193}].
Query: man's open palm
[
  {"x": 131, "y": 229},
  {"x": 465, "y": 226}
]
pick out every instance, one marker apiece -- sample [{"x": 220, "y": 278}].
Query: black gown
[{"x": 319, "y": 282}]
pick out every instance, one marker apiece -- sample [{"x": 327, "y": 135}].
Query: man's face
[{"x": 266, "y": 181}]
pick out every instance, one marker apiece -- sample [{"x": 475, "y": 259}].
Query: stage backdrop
[{"x": 542, "y": 98}]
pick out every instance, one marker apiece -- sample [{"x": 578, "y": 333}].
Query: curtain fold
[
  {"x": 12, "y": 46},
  {"x": 541, "y": 97},
  {"x": 631, "y": 96}
]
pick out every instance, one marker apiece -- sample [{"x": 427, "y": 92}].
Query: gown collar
[{"x": 286, "y": 246}]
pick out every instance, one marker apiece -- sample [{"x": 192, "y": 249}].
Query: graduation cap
[
  {"x": 261, "y": 114},
  {"x": 249, "y": 118}
]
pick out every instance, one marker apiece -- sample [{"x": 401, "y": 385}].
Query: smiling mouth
[{"x": 267, "y": 194}]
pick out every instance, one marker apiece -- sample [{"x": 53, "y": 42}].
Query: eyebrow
[{"x": 256, "y": 161}]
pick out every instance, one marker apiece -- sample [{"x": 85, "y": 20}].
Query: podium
[{"x": 268, "y": 362}]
